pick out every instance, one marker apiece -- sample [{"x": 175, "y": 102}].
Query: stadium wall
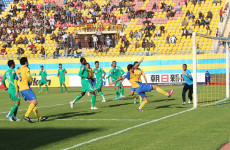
[{"x": 152, "y": 65}]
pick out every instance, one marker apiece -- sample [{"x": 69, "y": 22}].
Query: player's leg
[
  {"x": 40, "y": 87},
  {"x": 121, "y": 90},
  {"x": 45, "y": 83},
  {"x": 98, "y": 88},
  {"x": 13, "y": 112},
  {"x": 47, "y": 89},
  {"x": 61, "y": 86},
  {"x": 89, "y": 88},
  {"x": 65, "y": 87},
  {"x": 132, "y": 92},
  {"x": 141, "y": 99},
  {"x": 159, "y": 90},
  {"x": 190, "y": 94},
  {"x": 185, "y": 88},
  {"x": 145, "y": 101}
]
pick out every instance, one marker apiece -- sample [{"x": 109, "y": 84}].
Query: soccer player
[
  {"x": 86, "y": 85},
  {"x": 139, "y": 87},
  {"x": 92, "y": 80},
  {"x": 43, "y": 80},
  {"x": 23, "y": 80},
  {"x": 100, "y": 75},
  {"x": 61, "y": 75},
  {"x": 115, "y": 73},
  {"x": 138, "y": 73},
  {"x": 187, "y": 76},
  {"x": 10, "y": 75}
]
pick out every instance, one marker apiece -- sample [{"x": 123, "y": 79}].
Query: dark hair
[
  {"x": 135, "y": 62},
  {"x": 185, "y": 65},
  {"x": 130, "y": 66},
  {"x": 23, "y": 60},
  {"x": 96, "y": 62},
  {"x": 10, "y": 63},
  {"x": 81, "y": 60},
  {"x": 87, "y": 63},
  {"x": 60, "y": 64},
  {"x": 41, "y": 65},
  {"x": 114, "y": 61}
]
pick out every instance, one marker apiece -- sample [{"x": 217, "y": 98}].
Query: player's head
[
  {"x": 24, "y": 61},
  {"x": 136, "y": 62},
  {"x": 87, "y": 65},
  {"x": 130, "y": 68},
  {"x": 83, "y": 61},
  {"x": 184, "y": 67},
  {"x": 11, "y": 64},
  {"x": 18, "y": 68},
  {"x": 60, "y": 66},
  {"x": 42, "y": 67},
  {"x": 114, "y": 64},
  {"x": 97, "y": 64}
]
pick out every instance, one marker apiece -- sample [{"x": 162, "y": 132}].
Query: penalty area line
[{"x": 127, "y": 129}]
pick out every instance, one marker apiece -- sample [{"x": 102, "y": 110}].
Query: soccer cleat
[
  {"x": 135, "y": 101},
  {"x": 184, "y": 103},
  {"x": 103, "y": 100},
  {"x": 94, "y": 108},
  {"x": 190, "y": 101},
  {"x": 42, "y": 119},
  {"x": 88, "y": 94},
  {"x": 116, "y": 98},
  {"x": 139, "y": 109},
  {"x": 10, "y": 118},
  {"x": 27, "y": 119},
  {"x": 71, "y": 104},
  {"x": 40, "y": 92},
  {"x": 170, "y": 93},
  {"x": 15, "y": 118}
]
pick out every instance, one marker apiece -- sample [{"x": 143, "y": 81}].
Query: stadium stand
[{"x": 103, "y": 28}]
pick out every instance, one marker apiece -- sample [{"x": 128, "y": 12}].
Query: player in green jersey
[
  {"x": 100, "y": 75},
  {"x": 86, "y": 85},
  {"x": 61, "y": 75},
  {"x": 114, "y": 74},
  {"x": 43, "y": 80},
  {"x": 10, "y": 75}
]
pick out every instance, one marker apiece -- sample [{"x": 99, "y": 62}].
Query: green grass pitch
[{"x": 205, "y": 128}]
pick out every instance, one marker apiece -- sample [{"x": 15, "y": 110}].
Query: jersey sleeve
[
  {"x": 40, "y": 73},
  {"x": 189, "y": 74},
  {"x": 110, "y": 73},
  {"x": 142, "y": 73},
  {"x": 4, "y": 79},
  {"x": 58, "y": 71},
  {"x": 122, "y": 71},
  {"x": 127, "y": 75},
  {"x": 102, "y": 70},
  {"x": 81, "y": 72}
]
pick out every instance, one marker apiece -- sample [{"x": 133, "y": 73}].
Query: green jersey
[
  {"x": 61, "y": 72},
  {"x": 83, "y": 73},
  {"x": 115, "y": 72},
  {"x": 9, "y": 75},
  {"x": 43, "y": 74},
  {"x": 99, "y": 73}
]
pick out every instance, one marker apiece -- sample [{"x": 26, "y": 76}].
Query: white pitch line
[
  {"x": 127, "y": 129},
  {"x": 215, "y": 102}
]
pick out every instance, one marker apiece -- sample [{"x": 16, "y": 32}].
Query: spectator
[
  {"x": 154, "y": 6},
  {"x": 208, "y": 30},
  {"x": 207, "y": 22},
  {"x": 25, "y": 41},
  {"x": 157, "y": 33},
  {"x": 221, "y": 12},
  {"x": 152, "y": 44},
  {"x": 201, "y": 15},
  {"x": 122, "y": 49},
  {"x": 86, "y": 41},
  {"x": 95, "y": 39},
  {"x": 185, "y": 32},
  {"x": 217, "y": 32},
  {"x": 178, "y": 7},
  {"x": 131, "y": 34},
  {"x": 198, "y": 49},
  {"x": 209, "y": 15},
  {"x": 126, "y": 44},
  {"x": 184, "y": 22},
  {"x": 3, "y": 51},
  {"x": 172, "y": 39},
  {"x": 190, "y": 31},
  {"x": 207, "y": 78},
  {"x": 202, "y": 22},
  {"x": 167, "y": 38}
]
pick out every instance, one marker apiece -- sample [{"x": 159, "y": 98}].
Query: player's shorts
[
  {"x": 98, "y": 85},
  {"x": 133, "y": 89},
  {"x": 12, "y": 95},
  {"x": 43, "y": 81},
  {"x": 86, "y": 86},
  {"x": 93, "y": 82},
  {"x": 62, "y": 80},
  {"x": 28, "y": 95},
  {"x": 118, "y": 84},
  {"x": 144, "y": 88}
]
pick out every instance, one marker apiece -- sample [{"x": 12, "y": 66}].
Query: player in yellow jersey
[
  {"x": 139, "y": 87},
  {"x": 138, "y": 73},
  {"x": 23, "y": 80}
]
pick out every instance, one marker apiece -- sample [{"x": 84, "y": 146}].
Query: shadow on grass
[
  {"x": 162, "y": 100},
  {"x": 36, "y": 138},
  {"x": 120, "y": 104},
  {"x": 69, "y": 115},
  {"x": 164, "y": 106}
]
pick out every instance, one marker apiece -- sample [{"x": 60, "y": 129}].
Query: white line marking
[
  {"x": 92, "y": 119},
  {"x": 130, "y": 128},
  {"x": 215, "y": 102}
]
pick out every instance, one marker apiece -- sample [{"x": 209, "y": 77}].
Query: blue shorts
[
  {"x": 93, "y": 82},
  {"x": 144, "y": 88},
  {"x": 133, "y": 89},
  {"x": 28, "y": 95}
]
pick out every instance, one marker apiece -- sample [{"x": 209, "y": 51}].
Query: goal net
[{"x": 210, "y": 70}]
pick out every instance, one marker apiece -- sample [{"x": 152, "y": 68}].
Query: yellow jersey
[
  {"x": 138, "y": 73},
  {"x": 133, "y": 79},
  {"x": 91, "y": 72},
  {"x": 21, "y": 76}
]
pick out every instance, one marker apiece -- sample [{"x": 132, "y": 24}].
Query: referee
[{"x": 187, "y": 76}]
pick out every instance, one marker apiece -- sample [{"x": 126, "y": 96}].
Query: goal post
[{"x": 212, "y": 64}]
